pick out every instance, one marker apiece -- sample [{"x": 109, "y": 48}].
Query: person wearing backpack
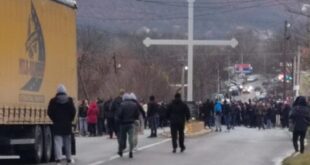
[{"x": 218, "y": 116}]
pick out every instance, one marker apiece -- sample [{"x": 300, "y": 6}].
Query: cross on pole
[{"x": 190, "y": 43}]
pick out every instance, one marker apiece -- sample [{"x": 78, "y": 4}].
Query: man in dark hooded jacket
[
  {"x": 115, "y": 105},
  {"x": 128, "y": 114},
  {"x": 152, "y": 115},
  {"x": 301, "y": 118},
  {"x": 109, "y": 115},
  {"x": 178, "y": 113},
  {"x": 61, "y": 111}
]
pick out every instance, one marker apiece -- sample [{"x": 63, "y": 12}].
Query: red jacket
[{"x": 92, "y": 113}]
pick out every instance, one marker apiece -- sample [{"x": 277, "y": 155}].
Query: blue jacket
[{"x": 218, "y": 107}]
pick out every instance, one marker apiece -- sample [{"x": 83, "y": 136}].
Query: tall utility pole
[
  {"x": 183, "y": 82},
  {"x": 286, "y": 38},
  {"x": 218, "y": 79},
  {"x": 242, "y": 57},
  {"x": 298, "y": 72},
  {"x": 114, "y": 63}
]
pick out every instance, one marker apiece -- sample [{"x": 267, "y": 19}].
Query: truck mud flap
[{"x": 4, "y": 141}]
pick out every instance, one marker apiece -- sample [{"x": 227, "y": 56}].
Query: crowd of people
[
  {"x": 261, "y": 114},
  {"x": 99, "y": 117},
  {"x": 125, "y": 117},
  {"x": 105, "y": 117}
]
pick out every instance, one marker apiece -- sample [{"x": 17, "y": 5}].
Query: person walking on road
[
  {"x": 139, "y": 124},
  {"x": 128, "y": 114},
  {"x": 61, "y": 111},
  {"x": 301, "y": 119},
  {"x": 109, "y": 114},
  {"x": 178, "y": 113},
  {"x": 260, "y": 113},
  {"x": 115, "y": 110},
  {"x": 92, "y": 118},
  {"x": 153, "y": 116},
  {"x": 205, "y": 111},
  {"x": 269, "y": 116},
  {"x": 218, "y": 116},
  {"x": 101, "y": 117},
  {"x": 227, "y": 115},
  {"x": 83, "y": 118}
]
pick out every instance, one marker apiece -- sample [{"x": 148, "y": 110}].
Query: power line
[
  {"x": 209, "y": 5},
  {"x": 162, "y": 17}
]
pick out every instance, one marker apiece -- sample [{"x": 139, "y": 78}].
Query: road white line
[
  {"x": 153, "y": 145},
  {"x": 126, "y": 154}
]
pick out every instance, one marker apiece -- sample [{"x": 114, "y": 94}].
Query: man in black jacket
[
  {"x": 61, "y": 111},
  {"x": 101, "y": 117},
  {"x": 178, "y": 113},
  {"x": 207, "y": 111},
  {"x": 227, "y": 115},
  {"x": 301, "y": 118},
  {"x": 128, "y": 114},
  {"x": 109, "y": 115},
  {"x": 152, "y": 116},
  {"x": 115, "y": 105}
]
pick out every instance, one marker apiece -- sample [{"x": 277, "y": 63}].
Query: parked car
[
  {"x": 251, "y": 78},
  {"x": 234, "y": 90},
  {"x": 257, "y": 89},
  {"x": 247, "y": 89}
]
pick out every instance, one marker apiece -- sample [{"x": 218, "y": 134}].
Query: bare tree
[{"x": 92, "y": 44}]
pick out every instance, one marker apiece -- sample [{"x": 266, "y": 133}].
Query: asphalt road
[{"x": 242, "y": 146}]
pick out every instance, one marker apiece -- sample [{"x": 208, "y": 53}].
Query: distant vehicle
[
  {"x": 265, "y": 83},
  {"x": 251, "y": 79},
  {"x": 247, "y": 89},
  {"x": 257, "y": 89},
  {"x": 234, "y": 90},
  {"x": 237, "y": 83},
  {"x": 218, "y": 96},
  {"x": 234, "y": 93},
  {"x": 262, "y": 96}
]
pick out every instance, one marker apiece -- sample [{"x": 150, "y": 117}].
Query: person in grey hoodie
[
  {"x": 128, "y": 114},
  {"x": 61, "y": 111}
]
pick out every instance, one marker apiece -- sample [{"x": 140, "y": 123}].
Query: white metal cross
[{"x": 190, "y": 43}]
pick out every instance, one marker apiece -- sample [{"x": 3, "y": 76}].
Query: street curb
[{"x": 167, "y": 134}]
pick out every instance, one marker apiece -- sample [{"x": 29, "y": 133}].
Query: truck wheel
[
  {"x": 35, "y": 153},
  {"x": 48, "y": 144}
]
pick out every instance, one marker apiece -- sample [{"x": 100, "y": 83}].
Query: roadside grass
[{"x": 301, "y": 159}]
